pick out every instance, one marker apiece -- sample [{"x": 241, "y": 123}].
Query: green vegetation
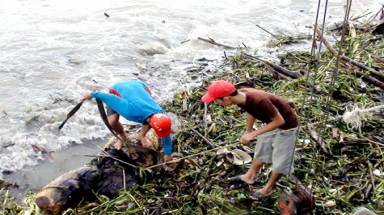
[{"x": 343, "y": 167}]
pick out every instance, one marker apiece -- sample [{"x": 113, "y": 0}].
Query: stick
[
  {"x": 125, "y": 185},
  {"x": 378, "y": 59},
  {"x": 211, "y": 41},
  {"x": 71, "y": 113},
  {"x": 371, "y": 176},
  {"x": 318, "y": 139},
  {"x": 278, "y": 68},
  {"x": 266, "y": 31},
  {"x": 205, "y": 139}
]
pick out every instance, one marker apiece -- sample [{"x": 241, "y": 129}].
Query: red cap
[
  {"x": 218, "y": 89},
  {"x": 161, "y": 123}
]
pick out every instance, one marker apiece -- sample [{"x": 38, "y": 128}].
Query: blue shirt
[{"x": 134, "y": 103}]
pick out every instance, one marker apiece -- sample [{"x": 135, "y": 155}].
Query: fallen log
[
  {"x": 114, "y": 170},
  {"x": 68, "y": 190},
  {"x": 277, "y": 68}
]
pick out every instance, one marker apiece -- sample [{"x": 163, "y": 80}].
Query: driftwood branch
[
  {"x": 212, "y": 41},
  {"x": 371, "y": 176},
  {"x": 266, "y": 30},
  {"x": 349, "y": 60},
  {"x": 277, "y": 74},
  {"x": 370, "y": 79},
  {"x": 278, "y": 68},
  {"x": 315, "y": 136},
  {"x": 378, "y": 59},
  {"x": 204, "y": 138}
]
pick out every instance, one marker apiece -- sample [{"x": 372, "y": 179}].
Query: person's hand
[
  {"x": 246, "y": 138},
  {"x": 168, "y": 158},
  {"x": 247, "y": 132},
  {"x": 144, "y": 142},
  {"x": 87, "y": 96}
]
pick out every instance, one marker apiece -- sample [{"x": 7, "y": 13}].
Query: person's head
[
  {"x": 161, "y": 124},
  {"x": 219, "y": 91}
]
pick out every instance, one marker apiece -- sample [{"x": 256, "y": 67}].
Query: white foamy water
[{"x": 52, "y": 52}]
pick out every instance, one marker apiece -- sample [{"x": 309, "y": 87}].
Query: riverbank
[{"x": 344, "y": 168}]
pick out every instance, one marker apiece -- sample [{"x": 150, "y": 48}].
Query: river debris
[{"x": 339, "y": 153}]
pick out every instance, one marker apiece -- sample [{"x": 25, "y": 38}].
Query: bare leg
[
  {"x": 113, "y": 120},
  {"x": 267, "y": 189},
  {"x": 249, "y": 177}
]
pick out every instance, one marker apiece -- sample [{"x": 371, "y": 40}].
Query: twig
[
  {"x": 378, "y": 59},
  {"x": 205, "y": 139},
  {"x": 125, "y": 185},
  {"x": 116, "y": 159},
  {"x": 266, "y": 31},
  {"x": 371, "y": 175},
  {"x": 318, "y": 139},
  {"x": 374, "y": 142},
  {"x": 211, "y": 41}
]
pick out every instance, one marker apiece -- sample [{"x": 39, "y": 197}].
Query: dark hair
[{"x": 232, "y": 94}]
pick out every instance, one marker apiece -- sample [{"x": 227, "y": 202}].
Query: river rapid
[{"x": 53, "y": 51}]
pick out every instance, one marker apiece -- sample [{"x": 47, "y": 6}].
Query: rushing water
[{"x": 53, "y": 51}]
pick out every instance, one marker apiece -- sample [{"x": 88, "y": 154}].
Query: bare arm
[
  {"x": 141, "y": 135},
  {"x": 87, "y": 96},
  {"x": 250, "y": 121},
  {"x": 276, "y": 122}
]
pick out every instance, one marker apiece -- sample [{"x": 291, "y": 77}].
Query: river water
[{"x": 53, "y": 51}]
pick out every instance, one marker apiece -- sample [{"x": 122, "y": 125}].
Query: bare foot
[
  {"x": 242, "y": 178},
  {"x": 247, "y": 180}
]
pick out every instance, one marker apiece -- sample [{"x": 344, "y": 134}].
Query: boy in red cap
[
  {"x": 133, "y": 101},
  {"x": 275, "y": 141}
]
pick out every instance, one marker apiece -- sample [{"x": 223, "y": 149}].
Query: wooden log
[
  {"x": 67, "y": 190},
  {"x": 278, "y": 68},
  {"x": 112, "y": 172}
]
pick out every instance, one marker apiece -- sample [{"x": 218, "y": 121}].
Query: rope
[{"x": 355, "y": 116}]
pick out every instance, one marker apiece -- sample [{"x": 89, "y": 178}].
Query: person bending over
[
  {"x": 133, "y": 100},
  {"x": 275, "y": 141}
]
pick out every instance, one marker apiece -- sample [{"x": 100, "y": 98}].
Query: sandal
[
  {"x": 237, "y": 178},
  {"x": 257, "y": 196}
]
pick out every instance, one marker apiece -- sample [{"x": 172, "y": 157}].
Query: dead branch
[
  {"x": 212, "y": 41},
  {"x": 378, "y": 59},
  {"x": 347, "y": 59},
  {"x": 315, "y": 136},
  {"x": 278, "y": 68}
]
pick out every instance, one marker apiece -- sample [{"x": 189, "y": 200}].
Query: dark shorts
[{"x": 110, "y": 111}]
